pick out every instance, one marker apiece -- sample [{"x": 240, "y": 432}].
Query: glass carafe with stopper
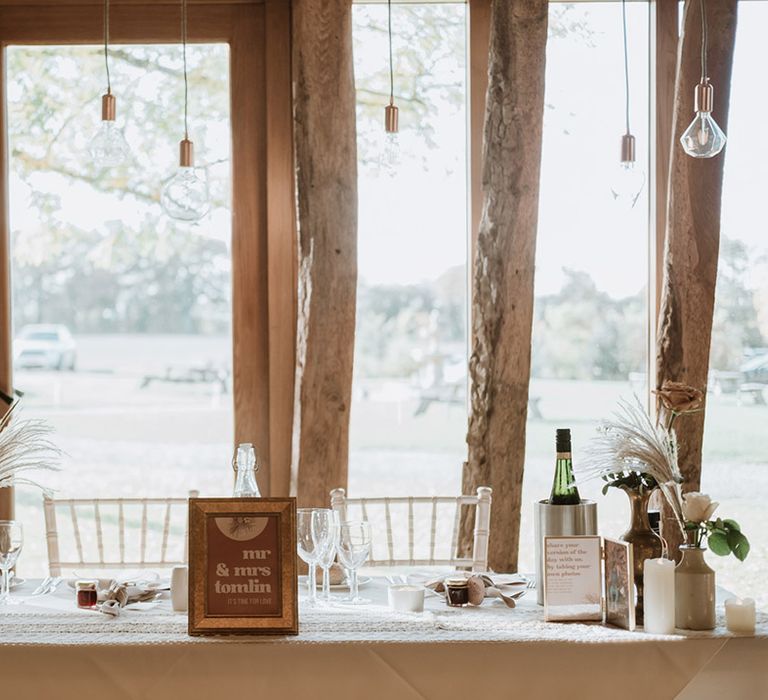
[
  {"x": 564, "y": 491},
  {"x": 246, "y": 465}
]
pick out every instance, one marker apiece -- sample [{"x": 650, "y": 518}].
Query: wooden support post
[
  {"x": 250, "y": 290},
  {"x": 6, "y": 332},
  {"x": 502, "y": 303},
  {"x": 326, "y": 166},
  {"x": 693, "y": 234},
  {"x": 281, "y": 243}
]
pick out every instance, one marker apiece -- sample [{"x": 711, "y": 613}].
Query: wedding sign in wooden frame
[{"x": 242, "y": 566}]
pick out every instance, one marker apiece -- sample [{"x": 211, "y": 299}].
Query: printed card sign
[
  {"x": 242, "y": 566},
  {"x": 573, "y": 584}
]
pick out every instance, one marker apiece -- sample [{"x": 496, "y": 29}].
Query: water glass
[
  {"x": 11, "y": 539},
  {"x": 354, "y": 548},
  {"x": 311, "y": 542},
  {"x": 328, "y": 555}
]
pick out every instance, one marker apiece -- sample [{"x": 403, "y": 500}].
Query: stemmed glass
[
  {"x": 11, "y": 539},
  {"x": 329, "y": 553},
  {"x": 312, "y": 539},
  {"x": 353, "y": 548}
]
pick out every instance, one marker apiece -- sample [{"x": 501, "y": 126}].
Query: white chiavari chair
[
  {"x": 404, "y": 542},
  {"x": 117, "y": 533}
]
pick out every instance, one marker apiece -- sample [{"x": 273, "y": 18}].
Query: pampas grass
[
  {"x": 631, "y": 442},
  {"x": 25, "y": 448}
]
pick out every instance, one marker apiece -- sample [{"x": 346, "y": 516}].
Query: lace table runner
[{"x": 368, "y": 623}]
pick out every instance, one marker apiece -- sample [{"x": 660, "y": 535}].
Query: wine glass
[
  {"x": 308, "y": 545},
  {"x": 331, "y": 525},
  {"x": 353, "y": 548},
  {"x": 11, "y": 539}
]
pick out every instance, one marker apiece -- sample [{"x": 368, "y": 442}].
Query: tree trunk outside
[
  {"x": 326, "y": 165},
  {"x": 693, "y": 236},
  {"x": 502, "y": 301}
]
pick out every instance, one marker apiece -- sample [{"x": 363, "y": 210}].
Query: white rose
[{"x": 698, "y": 507}]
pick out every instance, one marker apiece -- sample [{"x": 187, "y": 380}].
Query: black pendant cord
[
  {"x": 391, "y": 64},
  {"x": 106, "y": 45},
  {"x": 704, "y": 40},
  {"x": 184, "y": 58},
  {"x": 626, "y": 64}
]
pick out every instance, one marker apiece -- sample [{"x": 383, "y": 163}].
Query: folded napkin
[
  {"x": 481, "y": 586},
  {"x": 119, "y": 594}
]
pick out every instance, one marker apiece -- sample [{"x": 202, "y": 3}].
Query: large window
[
  {"x": 409, "y": 407},
  {"x": 122, "y": 338},
  {"x": 590, "y": 310},
  {"x": 735, "y": 461}
]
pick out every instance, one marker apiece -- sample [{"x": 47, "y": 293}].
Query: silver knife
[{"x": 43, "y": 587}]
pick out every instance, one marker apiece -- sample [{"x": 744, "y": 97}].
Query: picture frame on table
[
  {"x": 619, "y": 584},
  {"x": 589, "y": 578},
  {"x": 242, "y": 566}
]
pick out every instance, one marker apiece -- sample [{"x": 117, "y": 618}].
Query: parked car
[
  {"x": 755, "y": 369},
  {"x": 45, "y": 346}
]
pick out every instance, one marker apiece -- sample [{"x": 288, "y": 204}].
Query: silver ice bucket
[{"x": 559, "y": 521}]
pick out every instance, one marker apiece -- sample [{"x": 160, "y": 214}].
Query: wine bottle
[{"x": 564, "y": 491}]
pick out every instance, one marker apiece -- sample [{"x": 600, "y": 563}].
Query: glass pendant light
[
  {"x": 185, "y": 194},
  {"x": 703, "y": 138},
  {"x": 629, "y": 179},
  {"x": 391, "y": 113},
  {"x": 108, "y": 147}
]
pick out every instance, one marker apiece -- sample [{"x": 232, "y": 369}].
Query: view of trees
[
  {"x": 139, "y": 272},
  {"x": 142, "y": 273}
]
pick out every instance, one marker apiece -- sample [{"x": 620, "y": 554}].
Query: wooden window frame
[{"x": 263, "y": 211}]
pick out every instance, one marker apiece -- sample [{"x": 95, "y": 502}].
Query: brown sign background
[
  {"x": 243, "y": 576},
  {"x": 242, "y": 566}
]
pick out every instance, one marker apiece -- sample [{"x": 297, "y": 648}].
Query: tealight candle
[
  {"x": 404, "y": 597},
  {"x": 740, "y": 616},
  {"x": 179, "y": 588},
  {"x": 659, "y": 596}
]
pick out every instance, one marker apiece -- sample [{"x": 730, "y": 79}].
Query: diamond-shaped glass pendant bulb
[
  {"x": 703, "y": 138},
  {"x": 627, "y": 183},
  {"x": 109, "y": 147}
]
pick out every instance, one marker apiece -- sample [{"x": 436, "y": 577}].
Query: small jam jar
[
  {"x": 457, "y": 592},
  {"x": 87, "y": 595}
]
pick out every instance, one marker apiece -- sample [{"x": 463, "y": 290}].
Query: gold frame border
[{"x": 201, "y": 624}]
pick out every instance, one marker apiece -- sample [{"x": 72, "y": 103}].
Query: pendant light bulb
[
  {"x": 391, "y": 153},
  {"x": 185, "y": 195},
  {"x": 108, "y": 147},
  {"x": 628, "y": 180},
  {"x": 392, "y": 136},
  {"x": 703, "y": 138}
]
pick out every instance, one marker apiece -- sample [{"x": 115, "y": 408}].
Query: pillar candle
[
  {"x": 740, "y": 616},
  {"x": 659, "y": 596}
]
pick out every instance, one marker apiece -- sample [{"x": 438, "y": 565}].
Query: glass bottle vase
[
  {"x": 694, "y": 590},
  {"x": 646, "y": 544}
]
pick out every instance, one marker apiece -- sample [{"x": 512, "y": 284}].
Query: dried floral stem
[
  {"x": 25, "y": 447},
  {"x": 631, "y": 442}
]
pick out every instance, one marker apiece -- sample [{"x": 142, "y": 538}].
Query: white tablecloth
[{"x": 51, "y": 649}]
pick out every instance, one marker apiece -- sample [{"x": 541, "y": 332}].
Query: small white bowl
[{"x": 406, "y": 597}]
